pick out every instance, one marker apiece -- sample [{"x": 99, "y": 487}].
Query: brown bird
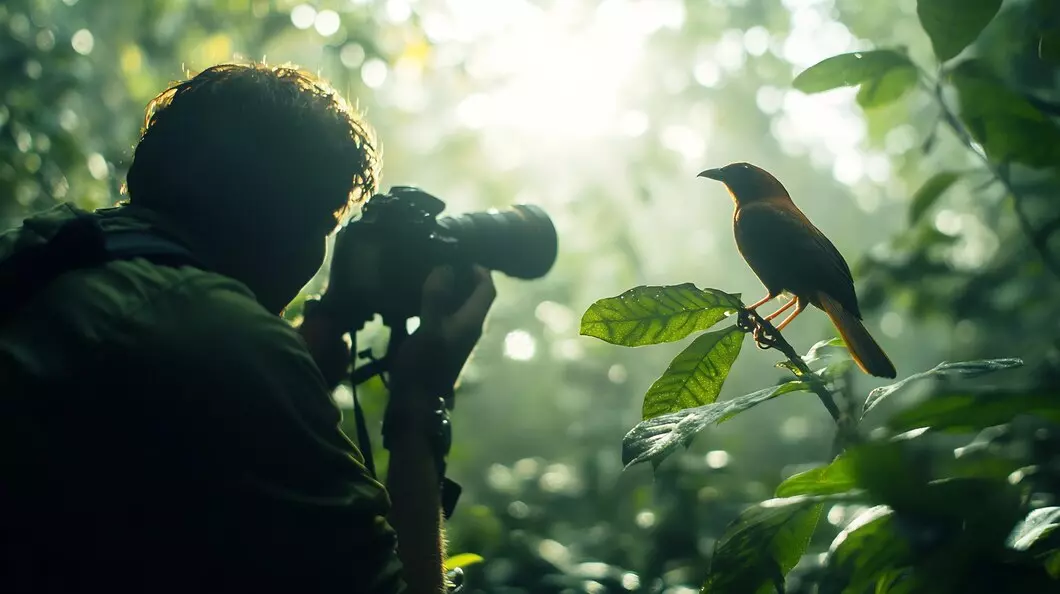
[{"x": 789, "y": 254}]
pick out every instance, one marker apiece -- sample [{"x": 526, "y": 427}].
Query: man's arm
[
  {"x": 412, "y": 477},
  {"x": 425, "y": 366}
]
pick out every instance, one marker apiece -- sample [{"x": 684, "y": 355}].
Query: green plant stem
[{"x": 1039, "y": 241}]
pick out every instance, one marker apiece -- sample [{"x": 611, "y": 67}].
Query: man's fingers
[
  {"x": 436, "y": 292},
  {"x": 472, "y": 314}
]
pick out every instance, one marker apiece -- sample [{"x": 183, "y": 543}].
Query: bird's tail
[{"x": 863, "y": 349}]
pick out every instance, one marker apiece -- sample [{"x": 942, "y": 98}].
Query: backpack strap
[{"x": 78, "y": 244}]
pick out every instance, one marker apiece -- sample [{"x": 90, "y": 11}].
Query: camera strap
[{"x": 441, "y": 436}]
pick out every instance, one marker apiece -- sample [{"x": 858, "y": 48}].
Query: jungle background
[{"x": 942, "y": 195}]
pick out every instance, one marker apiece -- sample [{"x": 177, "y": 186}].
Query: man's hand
[
  {"x": 428, "y": 364},
  {"x": 425, "y": 367}
]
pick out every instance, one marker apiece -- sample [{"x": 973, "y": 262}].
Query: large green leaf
[
  {"x": 837, "y": 477},
  {"x": 929, "y": 193},
  {"x": 972, "y": 411},
  {"x": 1049, "y": 46},
  {"x": 944, "y": 369},
  {"x": 652, "y": 315},
  {"x": 657, "y": 438},
  {"x": 1004, "y": 122},
  {"x": 761, "y": 546},
  {"x": 887, "y": 88},
  {"x": 868, "y": 551},
  {"x": 847, "y": 70},
  {"x": 696, "y": 375},
  {"x": 953, "y": 25}
]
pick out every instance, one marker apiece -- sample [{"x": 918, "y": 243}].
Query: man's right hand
[{"x": 429, "y": 362}]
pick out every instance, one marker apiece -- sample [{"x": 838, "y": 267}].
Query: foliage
[
  {"x": 470, "y": 109},
  {"x": 926, "y": 524}
]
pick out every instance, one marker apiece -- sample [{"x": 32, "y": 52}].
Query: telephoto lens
[{"x": 520, "y": 242}]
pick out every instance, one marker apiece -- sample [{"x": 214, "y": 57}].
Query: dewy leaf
[
  {"x": 1004, "y": 122},
  {"x": 696, "y": 375},
  {"x": 887, "y": 88},
  {"x": 653, "y": 315},
  {"x": 657, "y": 438},
  {"x": 1049, "y": 46},
  {"x": 953, "y": 25},
  {"x": 847, "y": 70},
  {"x": 1039, "y": 523},
  {"x": 462, "y": 560},
  {"x": 837, "y": 477},
  {"x": 761, "y": 546},
  {"x": 823, "y": 350},
  {"x": 944, "y": 369},
  {"x": 970, "y": 412},
  {"x": 865, "y": 551},
  {"x": 929, "y": 193}
]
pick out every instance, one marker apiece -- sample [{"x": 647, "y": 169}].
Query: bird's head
[{"x": 748, "y": 183}]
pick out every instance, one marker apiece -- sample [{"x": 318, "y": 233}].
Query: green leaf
[
  {"x": 887, "y": 88},
  {"x": 696, "y": 375},
  {"x": 965, "y": 412},
  {"x": 652, "y": 315},
  {"x": 837, "y": 477},
  {"x": 1007, "y": 125},
  {"x": 953, "y": 25},
  {"x": 1049, "y": 46},
  {"x": 866, "y": 552},
  {"x": 847, "y": 70},
  {"x": 657, "y": 438},
  {"x": 761, "y": 546},
  {"x": 462, "y": 560},
  {"x": 1037, "y": 525},
  {"x": 944, "y": 369},
  {"x": 929, "y": 193},
  {"x": 821, "y": 349}
]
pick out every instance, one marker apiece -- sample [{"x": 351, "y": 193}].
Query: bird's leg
[
  {"x": 800, "y": 305},
  {"x": 782, "y": 309},
  {"x": 769, "y": 297}
]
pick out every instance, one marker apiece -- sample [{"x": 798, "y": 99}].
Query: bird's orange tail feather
[{"x": 863, "y": 348}]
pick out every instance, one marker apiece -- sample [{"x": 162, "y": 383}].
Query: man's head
[{"x": 258, "y": 162}]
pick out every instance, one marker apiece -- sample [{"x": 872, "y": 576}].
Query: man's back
[{"x": 161, "y": 430}]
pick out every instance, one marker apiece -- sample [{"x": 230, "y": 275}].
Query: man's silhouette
[{"x": 161, "y": 427}]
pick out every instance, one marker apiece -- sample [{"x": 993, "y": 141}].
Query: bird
[{"x": 789, "y": 255}]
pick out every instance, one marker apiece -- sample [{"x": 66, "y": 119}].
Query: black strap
[{"x": 80, "y": 243}]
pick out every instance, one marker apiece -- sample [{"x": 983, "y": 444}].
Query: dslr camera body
[{"x": 402, "y": 232}]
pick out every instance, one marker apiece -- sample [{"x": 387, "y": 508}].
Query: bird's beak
[{"x": 711, "y": 174}]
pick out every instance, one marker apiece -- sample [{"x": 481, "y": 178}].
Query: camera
[{"x": 410, "y": 239}]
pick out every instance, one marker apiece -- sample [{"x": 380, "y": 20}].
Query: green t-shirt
[{"x": 161, "y": 431}]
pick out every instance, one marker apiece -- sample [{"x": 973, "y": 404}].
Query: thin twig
[
  {"x": 1038, "y": 241},
  {"x": 776, "y": 340},
  {"x": 846, "y": 425}
]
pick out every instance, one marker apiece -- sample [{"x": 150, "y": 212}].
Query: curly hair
[{"x": 247, "y": 141}]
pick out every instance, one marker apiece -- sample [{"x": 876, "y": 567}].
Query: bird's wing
[{"x": 786, "y": 250}]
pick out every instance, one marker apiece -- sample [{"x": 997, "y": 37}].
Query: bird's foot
[
  {"x": 746, "y": 322},
  {"x": 765, "y": 337}
]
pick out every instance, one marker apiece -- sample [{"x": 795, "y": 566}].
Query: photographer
[{"x": 163, "y": 429}]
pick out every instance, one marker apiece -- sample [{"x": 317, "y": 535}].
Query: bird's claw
[
  {"x": 745, "y": 322},
  {"x": 764, "y": 337}
]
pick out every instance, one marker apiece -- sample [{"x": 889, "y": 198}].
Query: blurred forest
[{"x": 937, "y": 178}]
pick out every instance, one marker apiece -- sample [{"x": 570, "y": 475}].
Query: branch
[
  {"x": 767, "y": 336},
  {"x": 1039, "y": 241}
]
